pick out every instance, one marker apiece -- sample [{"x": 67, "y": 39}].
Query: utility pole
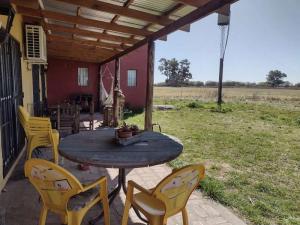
[{"x": 224, "y": 24}]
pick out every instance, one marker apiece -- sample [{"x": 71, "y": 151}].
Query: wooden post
[
  {"x": 100, "y": 89},
  {"x": 116, "y": 91},
  {"x": 150, "y": 81}
]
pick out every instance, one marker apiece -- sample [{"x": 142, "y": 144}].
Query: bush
[
  {"x": 194, "y": 105},
  {"x": 211, "y": 83}
]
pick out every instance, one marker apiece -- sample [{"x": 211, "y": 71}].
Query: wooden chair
[
  {"x": 67, "y": 119},
  {"x": 63, "y": 194},
  {"x": 88, "y": 118},
  {"x": 39, "y": 133},
  {"x": 168, "y": 198}
]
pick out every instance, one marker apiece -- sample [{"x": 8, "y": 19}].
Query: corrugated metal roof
[
  {"x": 96, "y": 15},
  {"x": 183, "y": 11},
  {"x": 117, "y": 20},
  {"x": 60, "y": 7},
  {"x": 156, "y": 7}
]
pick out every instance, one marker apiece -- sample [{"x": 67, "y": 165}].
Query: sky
[{"x": 264, "y": 36}]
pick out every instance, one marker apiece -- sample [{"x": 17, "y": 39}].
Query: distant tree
[
  {"x": 297, "y": 85},
  {"x": 177, "y": 73},
  {"x": 211, "y": 83},
  {"x": 275, "y": 78}
]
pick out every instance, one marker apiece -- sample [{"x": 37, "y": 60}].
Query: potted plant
[{"x": 124, "y": 131}]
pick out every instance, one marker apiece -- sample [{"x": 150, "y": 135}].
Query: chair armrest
[
  {"x": 132, "y": 184},
  {"x": 101, "y": 182}
]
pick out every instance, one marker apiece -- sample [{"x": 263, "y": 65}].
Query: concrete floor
[{"x": 22, "y": 206}]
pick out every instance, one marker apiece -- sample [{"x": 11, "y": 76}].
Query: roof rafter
[
  {"x": 197, "y": 14},
  {"x": 82, "y": 21},
  {"x": 103, "y": 45},
  {"x": 88, "y": 33},
  {"x": 121, "y": 11}
]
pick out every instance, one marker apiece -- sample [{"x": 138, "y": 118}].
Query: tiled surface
[{"x": 22, "y": 206}]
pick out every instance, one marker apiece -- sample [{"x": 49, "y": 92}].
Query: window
[
  {"x": 83, "y": 76},
  {"x": 131, "y": 78}
]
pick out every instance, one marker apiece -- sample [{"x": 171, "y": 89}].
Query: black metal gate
[
  {"x": 11, "y": 96},
  {"x": 36, "y": 89}
]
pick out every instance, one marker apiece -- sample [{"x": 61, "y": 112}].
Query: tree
[
  {"x": 177, "y": 73},
  {"x": 275, "y": 78}
]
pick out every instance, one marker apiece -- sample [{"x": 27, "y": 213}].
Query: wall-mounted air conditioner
[{"x": 36, "y": 50}]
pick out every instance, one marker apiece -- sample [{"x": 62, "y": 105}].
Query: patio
[
  {"x": 101, "y": 32},
  {"x": 22, "y": 205}
]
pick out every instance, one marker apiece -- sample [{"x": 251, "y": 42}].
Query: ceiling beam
[
  {"x": 72, "y": 58},
  {"x": 121, "y": 11},
  {"x": 104, "y": 45},
  {"x": 68, "y": 56},
  {"x": 197, "y": 14},
  {"x": 82, "y": 43},
  {"x": 80, "y": 20},
  {"x": 74, "y": 49},
  {"x": 107, "y": 37}
]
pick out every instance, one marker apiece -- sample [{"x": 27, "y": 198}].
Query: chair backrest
[
  {"x": 175, "y": 189},
  {"x": 23, "y": 118},
  {"x": 55, "y": 184}
]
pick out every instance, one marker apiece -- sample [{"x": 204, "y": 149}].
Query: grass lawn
[{"x": 251, "y": 152}]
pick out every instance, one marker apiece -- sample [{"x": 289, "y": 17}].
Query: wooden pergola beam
[
  {"x": 108, "y": 37},
  {"x": 81, "y": 21},
  {"x": 197, "y": 14},
  {"x": 121, "y": 11},
  {"x": 59, "y": 38},
  {"x": 66, "y": 50},
  {"x": 72, "y": 58},
  {"x": 78, "y": 49}
]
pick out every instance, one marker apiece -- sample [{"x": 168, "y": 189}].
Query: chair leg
[
  {"x": 75, "y": 218},
  {"x": 43, "y": 216},
  {"x": 64, "y": 219},
  {"x": 126, "y": 212},
  {"x": 185, "y": 217},
  {"x": 106, "y": 211}
]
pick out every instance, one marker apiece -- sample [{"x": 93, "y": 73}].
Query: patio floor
[{"x": 21, "y": 201}]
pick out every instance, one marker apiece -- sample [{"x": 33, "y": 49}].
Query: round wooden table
[{"x": 99, "y": 148}]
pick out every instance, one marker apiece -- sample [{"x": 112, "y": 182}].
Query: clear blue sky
[{"x": 264, "y": 35}]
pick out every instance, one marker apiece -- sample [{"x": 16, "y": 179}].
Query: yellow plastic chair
[
  {"x": 63, "y": 194},
  {"x": 168, "y": 198},
  {"x": 39, "y": 133}
]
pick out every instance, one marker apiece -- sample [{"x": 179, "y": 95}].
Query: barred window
[
  {"x": 131, "y": 78},
  {"x": 83, "y": 76}
]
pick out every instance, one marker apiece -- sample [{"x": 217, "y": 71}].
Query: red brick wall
[{"x": 62, "y": 78}]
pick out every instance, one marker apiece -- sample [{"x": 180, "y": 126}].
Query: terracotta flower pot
[{"x": 124, "y": 134}]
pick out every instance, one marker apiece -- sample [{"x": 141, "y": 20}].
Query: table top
[{"x": 98, "y": 148}]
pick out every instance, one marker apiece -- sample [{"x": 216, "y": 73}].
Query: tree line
[
  {"x": 178, "y": 75},
  {"x": 228, "y": 84}
]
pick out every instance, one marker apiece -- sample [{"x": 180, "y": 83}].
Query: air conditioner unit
[{"x": 36, "y": 50}]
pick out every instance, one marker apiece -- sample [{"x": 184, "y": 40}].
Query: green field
[{"x": 251, "y": 149}]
